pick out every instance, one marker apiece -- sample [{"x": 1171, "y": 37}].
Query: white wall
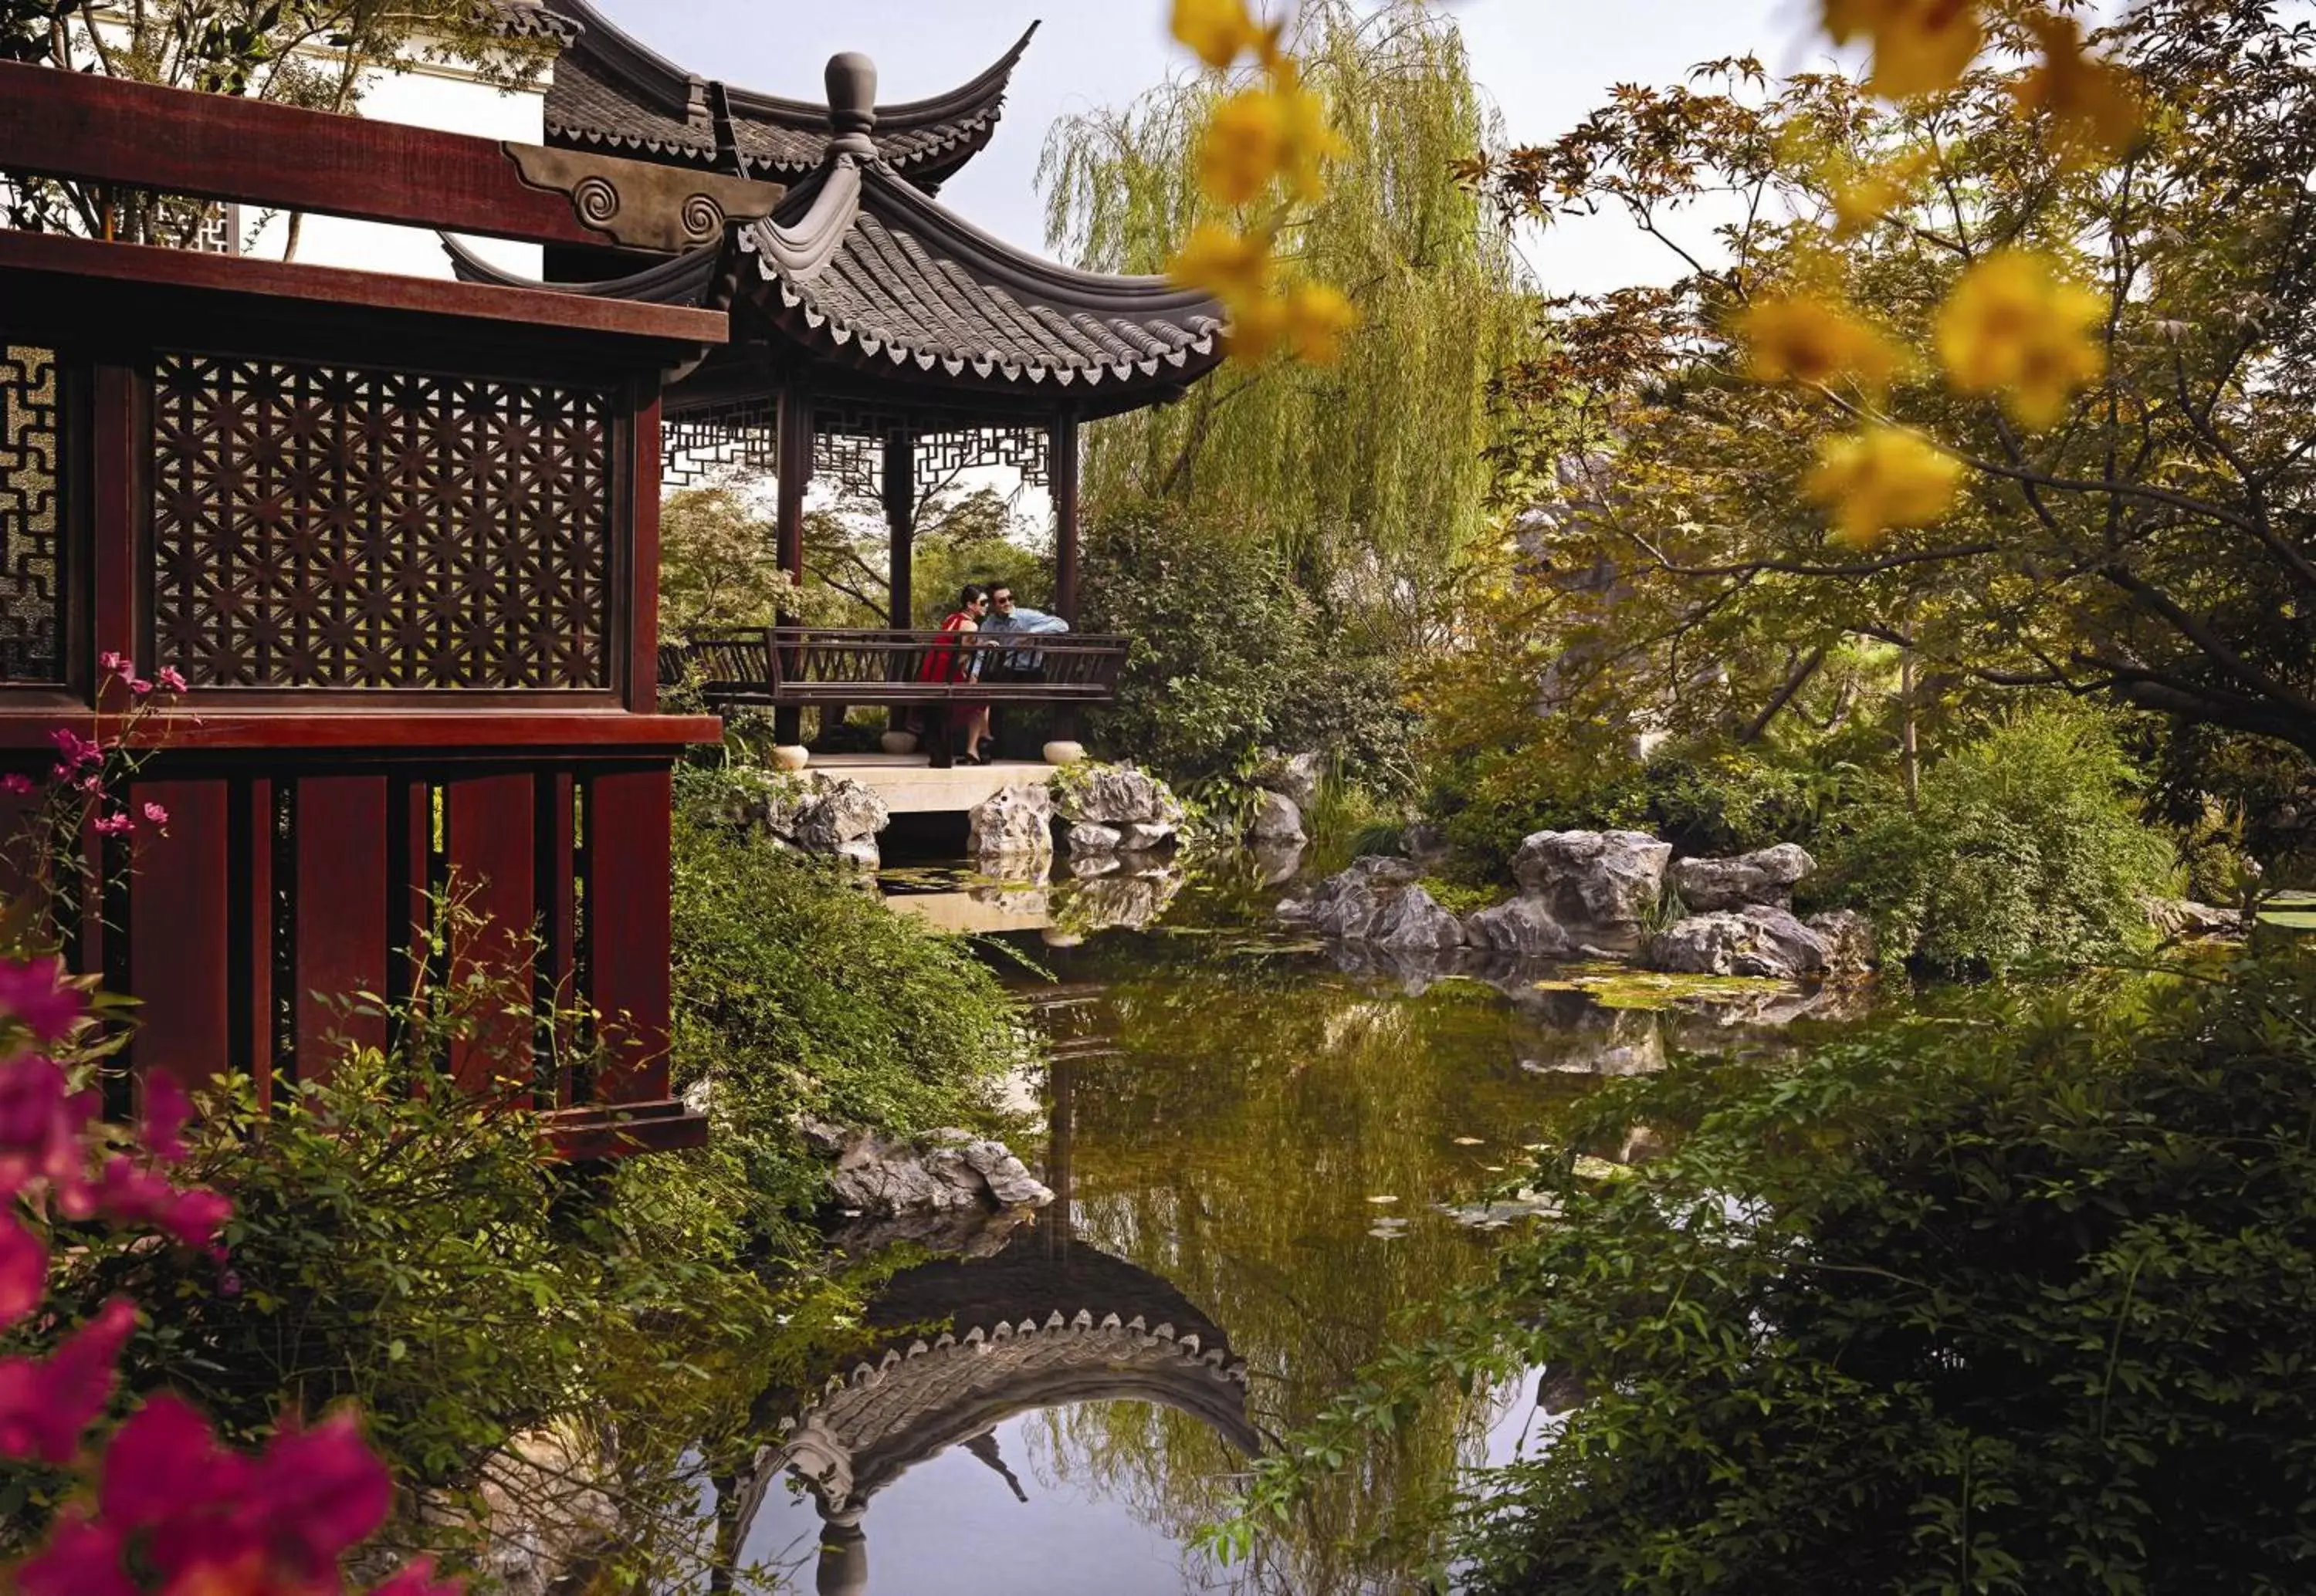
[{"x": 425, "y": 96}]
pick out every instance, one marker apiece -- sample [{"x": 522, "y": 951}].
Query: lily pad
[{"x": 1619, "y": 986}]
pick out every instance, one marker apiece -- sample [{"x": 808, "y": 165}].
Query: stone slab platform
[{"x": 910, "y": 785}]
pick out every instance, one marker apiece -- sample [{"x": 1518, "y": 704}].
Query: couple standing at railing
[{"x": 991, "y": 615}]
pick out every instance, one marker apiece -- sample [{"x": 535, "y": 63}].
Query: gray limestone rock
[
  {"x": 1848, "y": 939},
  {"x": 1277, "y": 819},
  {"x": 1140, "y": 837},
  {"x": 1294, "y": 778},
  {"x": 880, "y": 1176},
  {"x": 1277, "y": 861},
  {"x": 2183, "y": 917},
  {"x": 1767, "y": 875},
  {"x": 840, "y": 818},
  {"x": 1087, "y": 836},
  {"x": 1015, "y": 821},
  {"x": 1375, "y": 901},
  {"x": 1116, "y": 796},
  {"x": 1598, "y": 884},
  {"x": 1759, "y": 939},
  {"x": 1522, "y": 925}
]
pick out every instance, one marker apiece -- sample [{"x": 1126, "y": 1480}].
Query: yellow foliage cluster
[
  {"x": 1270, "y": 137},
  {"x": 2013, "y": 325}
]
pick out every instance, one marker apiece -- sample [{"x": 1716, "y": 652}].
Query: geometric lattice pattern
[
  {"x": 738, "y": 439},
  {"x": 31, "y": 584},
  {"x": 332, "y": 527},
  {"x": 857, "y": 458}
]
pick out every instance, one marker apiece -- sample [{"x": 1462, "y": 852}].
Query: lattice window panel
[
  {"x": 734, "y": 439},
  {"x": 341, "y": 528},
  {"x": 31, "y": 579},
  {"x": 856, "y": 457}
]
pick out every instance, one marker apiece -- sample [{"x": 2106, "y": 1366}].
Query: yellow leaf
[
  {"x": 1921, "y": 47},
  {"x": 1217, "y": 30},
  {"x": 2093, "y": 105},
  {"x": 2013, "y": 325},
  {"x": 1244, "y": 147},
  {"x": 1233, "y": 267},
  {"x": 1318, "y": 316},
  {"x": 1881, "y": 478},
  {"x": 1804, "y": 338}
]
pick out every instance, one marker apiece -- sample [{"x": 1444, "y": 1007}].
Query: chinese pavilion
[{"x": 400, "y": 536}]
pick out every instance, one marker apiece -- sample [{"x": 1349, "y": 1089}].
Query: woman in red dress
[{"x": 953, "y": 659}]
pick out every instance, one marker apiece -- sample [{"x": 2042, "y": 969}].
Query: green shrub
[
  {"x": 2026, "y": 845},
  {"x": 2011, "y": 1299},
  {"x": 798, "y": 992},
  {"x": 405, "y": 1243}
]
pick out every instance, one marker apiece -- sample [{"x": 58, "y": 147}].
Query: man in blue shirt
[
  {"x": 1006, "y": 616},
  {"x": 1007, "y": 619}
]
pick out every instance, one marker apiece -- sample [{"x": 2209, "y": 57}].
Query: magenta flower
[
  {"x": 46, "y": 1404},
  {"x": 156, "y": 814},
  {"x": 15, "y": 784},
  {"x": 167, "y": 1112},
  {"x": 164, "y": 1462},
  {"x": 41, "y": 1126},
  {"x": 35, "y": 992},
  {"x": 141, "y": 687},
  {"x": 23, "y": 1272},
  {"x": 418, "y": 1579},
  {"x": 72, "y": 749},
  {"x": 169, "y": 677},
  {"x": 117, "y": 664},
  {"x": 113, "y": 825},
  {"x": 82, "y": 1559},
  {"x": 129, "y": 1196}
]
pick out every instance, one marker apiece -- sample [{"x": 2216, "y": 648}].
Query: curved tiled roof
[
  {"x": 613, "y": 92},
  {"x": 868, "y": 271}
]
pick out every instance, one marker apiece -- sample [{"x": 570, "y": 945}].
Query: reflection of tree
[{"x": 1230, "y": 1146}]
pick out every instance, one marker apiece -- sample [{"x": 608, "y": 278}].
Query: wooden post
[
  {"x": 900, "y": 479},
  {"x": 1063, "y": 450},
  {"x": 795, "y": 468},
  {"x": 1062, "y": 453}
]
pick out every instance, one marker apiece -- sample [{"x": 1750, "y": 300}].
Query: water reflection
[
  {"x": 1267, "y": 1153},
  {"x": 968, "y": 1345}
]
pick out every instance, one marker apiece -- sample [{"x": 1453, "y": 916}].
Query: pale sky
[{"x": 1545, "y": 62}]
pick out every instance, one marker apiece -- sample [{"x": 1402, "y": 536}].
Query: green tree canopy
[
  {"x": 2158, "y": 545},
  {"x": 1374, "y": 466}
]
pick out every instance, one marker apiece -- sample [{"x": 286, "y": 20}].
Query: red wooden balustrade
[{"x": 400, "y": 538}]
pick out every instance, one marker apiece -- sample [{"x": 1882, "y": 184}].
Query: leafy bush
[
  {"x": 797, "y": 992},
  {"x": 2013, "y": 1299},
  {"x": 2025, "y": 845},
  {"x": 1230, "y": 658}
]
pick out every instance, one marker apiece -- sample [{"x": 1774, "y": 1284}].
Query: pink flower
[
  {"x": 128, "y": 1195},
  {"x": 23, "y": 1272},
  {"x": 34, "y": 991},
  {"x": 141, "y": 687},
  {"x": 156, "y": 814},
  {"x": 418, "y": 1579},
  {"x": 322, "y": 1491},
  {"x": 168, "y": 677},
  {"x": 72, "y": 749},
  {"x": 164, "y": 1462},
  {"x": 113, "y": 825},
  {"x": 45, "y": 1404},
  {"x": 82, "y": 1559},
  {"x": 117, "y": 664},
  {"x": 15, "y": 784},
  {"x": 167, "y": 1112},
  {"x": 40, "y": 1125}
]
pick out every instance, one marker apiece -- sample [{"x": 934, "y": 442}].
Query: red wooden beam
[
  {"x": 63, "y": 269},
  {"x": 221, "y": 146}
]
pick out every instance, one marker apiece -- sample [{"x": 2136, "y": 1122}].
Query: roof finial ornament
[{"x": 851, "y": 80}]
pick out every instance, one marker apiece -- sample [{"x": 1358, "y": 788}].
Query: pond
[{"x": 1264, "y": 1160}]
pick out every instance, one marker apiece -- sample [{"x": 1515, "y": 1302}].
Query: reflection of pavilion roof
[
  {"x": 611, "y": 91},
  {"x": 1024, "y": 1330}
]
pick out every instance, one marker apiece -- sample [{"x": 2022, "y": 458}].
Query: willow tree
[{"x": 1375, "y": 465}]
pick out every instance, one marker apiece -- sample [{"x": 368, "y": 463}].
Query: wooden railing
[{"x": 809, "y": 665}]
